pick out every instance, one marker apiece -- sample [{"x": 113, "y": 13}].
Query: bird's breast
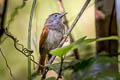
[{"x": 53, "y": 39}]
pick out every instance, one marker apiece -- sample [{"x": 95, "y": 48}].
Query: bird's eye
[{"x": 55, "y": 15}]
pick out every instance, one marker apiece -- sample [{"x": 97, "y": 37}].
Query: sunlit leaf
[
  {"x": 62, "y": 51},
  {"x": 82, "y": 41},
  {"x": 86, "y": 41}
]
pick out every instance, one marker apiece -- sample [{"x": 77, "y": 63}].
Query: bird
[{"x": 51, "y": 36}]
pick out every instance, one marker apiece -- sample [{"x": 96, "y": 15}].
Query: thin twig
[
  {"x": 13, "y": 78},
  {"x": 29, "y": 39},
  {"x": 67, "y": 34},
  {"x": 60, "y": 71},
  {"x": 62, "y": 10},
  {"x": 24, "y": 50}
]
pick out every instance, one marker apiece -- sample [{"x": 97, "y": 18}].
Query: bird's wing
[
  {"x": 42, "y": 52},
  {"x": 43, "y": 36}
]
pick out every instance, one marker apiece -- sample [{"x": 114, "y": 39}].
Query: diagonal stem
[
  {"x": 67, "y": 34},
  {"x": 62, "y": 10}
]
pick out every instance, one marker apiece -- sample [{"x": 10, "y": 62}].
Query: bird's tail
[{"x": 42, "y": 61}]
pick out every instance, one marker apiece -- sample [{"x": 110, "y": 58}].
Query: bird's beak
[{"x": 63, "y": 14}]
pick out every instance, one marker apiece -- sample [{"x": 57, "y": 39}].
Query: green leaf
[
  {"x": 82, "y": 41},
  {"x": 62, "y": 51},
  {"x": 100, "y": 39}
]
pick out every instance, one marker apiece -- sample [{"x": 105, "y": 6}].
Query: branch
[
  {"x": 61, "y": 7},
  {"x": 72, "y": 26},
  {"x": 13, "y": 78},
  {"x": 67, "y": 34}
]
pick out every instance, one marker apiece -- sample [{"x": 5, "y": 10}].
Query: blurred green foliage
[{"x": 94, "y": 68}]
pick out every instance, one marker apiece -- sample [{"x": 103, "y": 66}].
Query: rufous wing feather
[{"x": 43, "y": 54}]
